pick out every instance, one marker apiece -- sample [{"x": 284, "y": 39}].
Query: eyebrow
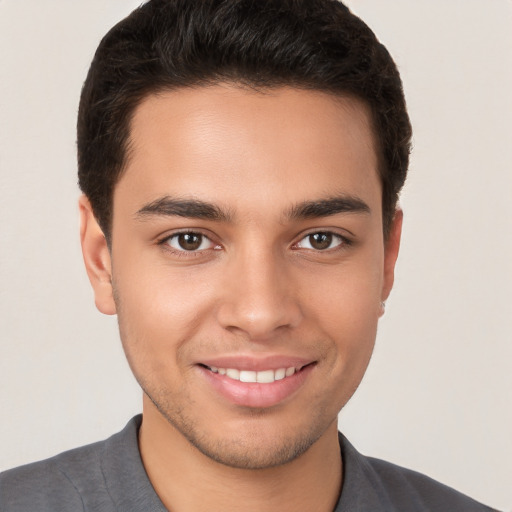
[
  {"x": 190, "y": 208},
  {"x": 195, "y": 209},
  {"x": 327, "y": 207}
]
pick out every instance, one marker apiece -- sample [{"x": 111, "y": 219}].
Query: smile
[
  {"x": 261, "y": 377},
  {"x": 258, "y": 386}
]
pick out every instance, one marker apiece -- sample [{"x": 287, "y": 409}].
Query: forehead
[{"x": 232, "y": 144}]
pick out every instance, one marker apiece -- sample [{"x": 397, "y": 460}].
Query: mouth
[
  {"x": 261, "y": 377},
  {"x": 263, "y": 387}
]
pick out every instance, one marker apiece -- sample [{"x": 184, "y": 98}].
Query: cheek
[
  {"x": 345, "y": 304},
  {"x": 349, "y": 321},
  {"x": 347, "y": 295},
  {"x": 159, "y": 310}
]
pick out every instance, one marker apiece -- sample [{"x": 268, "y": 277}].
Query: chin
[
  {"x": 260, "y": 440},
  {"x": 253, "y": 449}
]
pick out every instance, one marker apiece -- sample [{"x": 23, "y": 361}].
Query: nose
[{"x": 259, "y": 296}]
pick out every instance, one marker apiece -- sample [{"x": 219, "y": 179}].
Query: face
[{"x": 247, "y": 265}]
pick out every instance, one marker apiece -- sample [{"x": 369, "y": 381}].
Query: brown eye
[
  {"x": 320, "y": 241},
  {"x": 189, "y": 242}
]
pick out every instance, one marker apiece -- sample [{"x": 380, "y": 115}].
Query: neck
[{"x": 186, "y": 480}]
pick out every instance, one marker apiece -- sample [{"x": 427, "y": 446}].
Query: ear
[
  {"x": 391, "y": 248},
  {"x": 96, "y": 258}
]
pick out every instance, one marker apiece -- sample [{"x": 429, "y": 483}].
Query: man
[{"x": 241, "y": 163}]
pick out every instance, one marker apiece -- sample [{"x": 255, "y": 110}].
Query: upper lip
[{"x": 254, "y": 363}]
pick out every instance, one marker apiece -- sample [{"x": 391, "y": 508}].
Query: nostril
[{"x": 259, "y": 322}]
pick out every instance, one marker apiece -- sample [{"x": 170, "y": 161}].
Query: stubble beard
[{"x": 248, "y": 450}]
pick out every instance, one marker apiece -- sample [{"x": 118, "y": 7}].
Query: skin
[{"x": 258, "y": 286}]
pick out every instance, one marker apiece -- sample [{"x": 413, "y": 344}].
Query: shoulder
[
  {"x": 82, "y": 479},
  {"x": 54, "y": 484},
  {"x": 403, "y": 484},
  {"x": 394, "y": 488}
]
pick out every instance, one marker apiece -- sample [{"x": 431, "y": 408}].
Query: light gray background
[{"x": 437, "y": 396}]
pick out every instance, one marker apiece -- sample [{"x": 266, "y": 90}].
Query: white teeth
[
  {"x": 247, "y": 376},
  {"x": 280, "y": 374},
  {"x": 290, "y": 372},
  {"x": 265, "y": 377},
  {"x": 262, "y": 377},
  {"x": 233, "y": 374}
]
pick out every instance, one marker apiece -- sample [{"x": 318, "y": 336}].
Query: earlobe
[
  {"x": 391, "y": 248},
  {"x": 97, "y": 259}
]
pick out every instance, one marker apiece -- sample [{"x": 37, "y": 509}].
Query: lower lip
[{"x": 254, "y": 394}]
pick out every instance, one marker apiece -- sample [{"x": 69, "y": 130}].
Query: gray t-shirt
[{"x": 108, "y": 476}]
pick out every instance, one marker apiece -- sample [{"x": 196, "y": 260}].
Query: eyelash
[
  {"x": 344, "y": 242},
  {"x": 183, "y": 253}
]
